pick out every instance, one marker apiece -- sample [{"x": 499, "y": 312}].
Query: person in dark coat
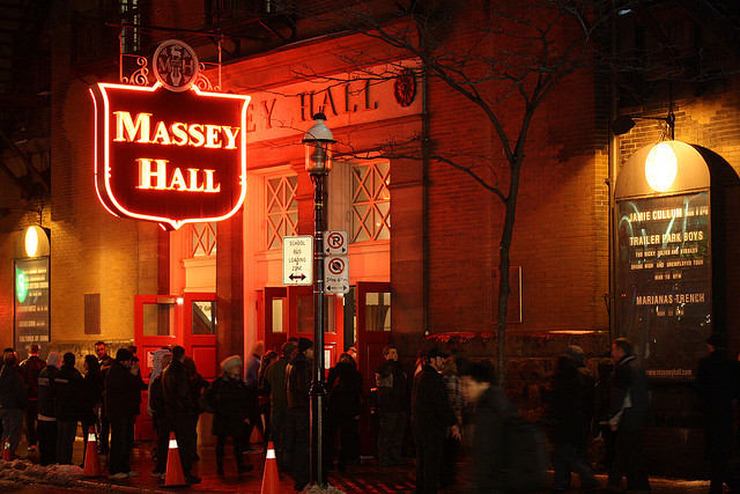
[
  {"x": 105, "y": 361},
  {"x": 180, "y": 410},
  {"x": 344, "y": 387},
  {"x": 12, "y": 400},
  {"x": 69, "y": 392},
  {"x": 120, "y": 399},
  {"x": 570, "y": 413},
  {"x": 275, "y": 383},
  {"x": 432, "y": 419},
  {"x": 492, "y": 412},
  {"x": 716, "y": 380},
  {"x": 231, "y": 401},
  {"x": 298, "y": 384},
  {"x": 91, "y": 398},
  {"x": 263, "y": 394},
  {"x": 197, "y": 386},
  {"x": 161, "y": 360},
  {"x": 628, "y": 412},
  {"x": 393, "y": 405},
  {"x": 30, "y": 370},
  {"x": 47, "y": 416}
]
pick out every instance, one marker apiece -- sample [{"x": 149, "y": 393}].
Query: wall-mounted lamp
[
  {"x": 661, "y": 167},
  {"x": 35, "y": 241}
]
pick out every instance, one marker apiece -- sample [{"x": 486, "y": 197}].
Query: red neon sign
[{"x": 169, "y": 157}]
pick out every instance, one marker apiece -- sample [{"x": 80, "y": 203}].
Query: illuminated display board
[
  {"x": 31, "y": 301},
  {"x": 169, "y": 157}
]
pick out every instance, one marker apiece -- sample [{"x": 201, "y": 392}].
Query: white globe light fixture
[
  {"x": 661, "y": 167},
  {"x": 31, "y": 241},
  {"x": 318, "y": 143}
]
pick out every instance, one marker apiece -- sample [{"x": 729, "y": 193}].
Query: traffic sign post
[
  {"x": 335, "y": 242},
  {"x": 336, "y": 274},
  {"x": 298, "y": 260}
]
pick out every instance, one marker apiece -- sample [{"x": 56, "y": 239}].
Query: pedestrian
[
  {"x": 628, "y": 410},
  {"x": 30, "y": 369},
  {"x": 344, "y": 387},
  {"x": 91, "y": 399},
  {"x": 69, "y": 394},
  {"x": 160, "y": 360},
  {"x": 452, "y": 444},
  {"x": 180, "y": 410},
  {"x": 231, "y": 401},
  {"x": 198, "y": 387},
  {"x": 716, "y": 380},
  {"x": 263, "y": 392},
  {"x": 12, "y": 401},
  {"x": 570, "y": 411},
  {"x": 432, "y": 420},
  {"x": 298, "y": 384},
  {"x": 275, "y": 382},
  {"x": 120, "y": 399},
  {"x": 104, "y": 361},
  {"x": 47, "y": 417},
  {"x": 136, "y": 372},
  {"x": 393, "y": 405},
  {"x": 252, "y": 379}
]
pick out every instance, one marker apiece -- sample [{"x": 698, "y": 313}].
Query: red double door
[{"x": 167, "y": 320}]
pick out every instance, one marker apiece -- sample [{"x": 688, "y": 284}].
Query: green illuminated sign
[{"x": 21, "y": 286}]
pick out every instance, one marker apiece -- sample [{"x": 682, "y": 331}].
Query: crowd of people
[{"x": 431, "y": 411}]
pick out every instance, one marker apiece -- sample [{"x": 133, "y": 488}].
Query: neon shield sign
[{"x": 169, "y": 157}]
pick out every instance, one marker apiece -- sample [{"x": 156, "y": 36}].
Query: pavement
[{"x": 367, "y": 477}]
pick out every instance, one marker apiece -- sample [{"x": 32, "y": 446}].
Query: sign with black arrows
[{"x": 298, "y": 260}]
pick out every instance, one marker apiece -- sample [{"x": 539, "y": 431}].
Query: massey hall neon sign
[{"x": 170, "y": 153}]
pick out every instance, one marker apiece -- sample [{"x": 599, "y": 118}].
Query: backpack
[{"x": 527, "y": 460}]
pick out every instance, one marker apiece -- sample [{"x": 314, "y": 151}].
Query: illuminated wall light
[
  {"x": 180, "y": 300},
  {"x": 31, "y": 241},
  {"x": 661, "y": 167}
]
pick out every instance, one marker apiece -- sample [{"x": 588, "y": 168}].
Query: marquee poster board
[
  {"x": 31, "y": 302},
  {"x": 664, "y": 280}
]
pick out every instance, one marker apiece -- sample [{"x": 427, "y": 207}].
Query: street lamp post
[{"x": 318, "y": 141}]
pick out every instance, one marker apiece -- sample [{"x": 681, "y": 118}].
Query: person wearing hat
[
  {"x": 231, "y": 401},
  {"x": 716, "y": 381},
  {"x": 432, "y": 419},
  {"x": 570, "y": 411},
  {"x": 298, "y": 384},
  {"x": 275, "y": 385},
  {"x": 120, "y": 396}
]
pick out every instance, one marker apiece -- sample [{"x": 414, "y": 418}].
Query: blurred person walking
[
  {"x": 275, "y": 383},
  {"x": 47, "y": 416},
  {"x": 30, "y": 369},
  {"x": 160, "y": 360},
  {"x": 12, "y": 400},
  {"x": 393, "y": 405},
  {"x": 452, "y": 444},
  {"x": 69, "y": 401},
  {"x": 570, "y": 412},
  {"x": 231, "y": 401},
  {"x": 432, "y": 419},
  {"x": 263, "y": 393},
  {"x": 298, "y": 384},
  {"x": 344, "y": 387}
]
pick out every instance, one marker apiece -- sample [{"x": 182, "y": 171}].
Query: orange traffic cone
[
  {"x": 92, "y": 462},
  {"x": 174, "y": 476},
  {"x": 256, "y": 436},
  {"x": 7, "y": 454},
  {"x": 270, "y": 479}
]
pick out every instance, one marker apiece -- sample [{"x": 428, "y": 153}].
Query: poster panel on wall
[
  {"x": 664, "y": 281},
  {"x": 31, "y": 302}
]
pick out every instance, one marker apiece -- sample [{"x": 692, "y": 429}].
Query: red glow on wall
[{"x": 172, "y": 158}]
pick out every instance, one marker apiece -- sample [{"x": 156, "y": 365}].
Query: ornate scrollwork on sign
[
  {"x": 203, "y": 82},
  {"x": 140, "y": 76}
]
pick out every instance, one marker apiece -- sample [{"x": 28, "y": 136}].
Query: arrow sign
[
  {"x": 336, "y": 274},
  {"x": 298, "y": 260}
]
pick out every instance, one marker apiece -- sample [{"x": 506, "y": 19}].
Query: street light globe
[
  {"x": 661, "y": 167},
  {"x": 318, "y": 142}
]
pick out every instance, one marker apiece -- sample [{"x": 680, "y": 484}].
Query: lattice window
[
  {"x": 281, "y": 209},
  {"x": 203, "y": 239},
  {"x": 371, "y": 201}
]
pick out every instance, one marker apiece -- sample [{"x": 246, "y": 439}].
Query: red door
[
  {"x": 199, "y": 332},
  {"x": 301, "y": 321},
  {"x": 273, "y": 317}
]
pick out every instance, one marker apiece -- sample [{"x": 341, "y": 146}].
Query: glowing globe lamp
[{"x": 661, "y": 167}]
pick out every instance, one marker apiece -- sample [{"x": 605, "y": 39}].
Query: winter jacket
[
  {"x": 69, "y": 394},
  {"x": 275, "y": 381},
  {"x": 92, "y": 395},
  {"x": 12, "y": 388},
  {"x": 232, "y": 402},
  {"x": 121, "y": 394},
  {"x": 392, "y": 387},
  {"x": 432, "y": 412},
  {"x": 47, "y": 393},
  {"x": 345, "y": 391},
  {"x": 298, "y": 382},
  {"x": 571, "y": 403},
  {"x": 178, "y": 399},
  {"x": 30, "y": 370},
  {"x": 628, "y": 394},
  {"x": 156, "y": 398}
]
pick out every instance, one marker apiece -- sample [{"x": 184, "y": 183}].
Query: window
[
  {"x": 204, "y": 317},
  {"x": 281, "y": 209},
  {"x": 371, "y": 201},
  {"x": 203, "y": 239}
]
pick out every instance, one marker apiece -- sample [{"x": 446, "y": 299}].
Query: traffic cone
[
  {"x": 174, "y": 476},
  {"x": 92, "y": 462},
  {"x": 256, "y": 437},
  {"x": 7, "y": 455},
  {"x": 270, "y": 478}
]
